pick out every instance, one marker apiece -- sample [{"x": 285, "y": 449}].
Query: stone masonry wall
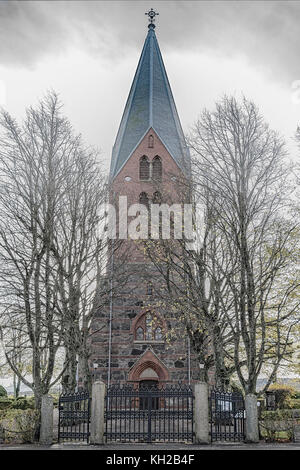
[{"x": 131, "y": 300}]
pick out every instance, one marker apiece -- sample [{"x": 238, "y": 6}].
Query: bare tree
[
  {"x": 185, "y": 270},
  {"x": 79, "y": 249},
  {"x": 29, "y": 157},
  {"x": 50, "y": 239},
  {"x": 241, "y": 167},
  {"x": 18, "y": 346}
]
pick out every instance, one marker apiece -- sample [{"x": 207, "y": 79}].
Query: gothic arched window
[
  {"x": 158, "y": 334},
  {"x": 156, "y": 199},
  {"x": 144, "y": 168},
  {"x": 150, "y": 141},
  {"x": 139, "y": 333},
  {"x": 157, "y": 229},
  {"x": 156, "y": 168},
  {"x": 143, "y": 199},
  {"x": 149, "y": 289},
  {"x": 149, "y": 327}
]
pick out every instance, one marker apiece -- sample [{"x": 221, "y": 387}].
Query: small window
[
  {"x": 158, "y": 334},
  {"x": 149, "y": 328},
  {"x": 150, "y": 141},
  {"x": 149, "y": 289},
  {"x": 144, "y": 168},
  {"x": 156, "y": 168},
  {"x": 157, "y": 231},
  {"x": 139, "y": 334}
]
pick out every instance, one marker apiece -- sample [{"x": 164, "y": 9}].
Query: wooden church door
[{"x": 148, "y": 401}]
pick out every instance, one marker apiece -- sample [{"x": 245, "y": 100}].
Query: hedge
[
  {"x": 295, "y": 403},
  {"x": 276, "y": 423},
  {"x": 283, "y": 394},
  {"x": 21, "y": 403},
  {"x": 18, "y": 425},
  {"x": 5, "y": 403}
]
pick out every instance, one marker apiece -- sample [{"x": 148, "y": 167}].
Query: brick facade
[{"x": 133, "y": 359}]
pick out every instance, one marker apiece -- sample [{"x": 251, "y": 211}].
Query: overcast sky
[{"x": 88, "y": 53}]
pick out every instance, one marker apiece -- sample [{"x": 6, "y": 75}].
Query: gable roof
[
  {"x": 149, "y": 354},
  {"x": 150, "y": 104}
]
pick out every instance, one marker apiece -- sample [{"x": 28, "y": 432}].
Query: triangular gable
[{"x": 148, "y": 360}]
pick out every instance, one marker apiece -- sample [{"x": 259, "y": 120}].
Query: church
[{"x": 130, "y": 341}]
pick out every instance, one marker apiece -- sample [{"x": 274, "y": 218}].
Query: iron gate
[
  {"x": 74, "y": 417},
  {"x": 227, "y": 416},
  {"x": 149, "y": 414}
]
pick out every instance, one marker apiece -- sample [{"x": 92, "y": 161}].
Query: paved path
[{"x": 157, "y": 447}]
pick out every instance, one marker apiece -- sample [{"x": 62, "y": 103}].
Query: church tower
[{"x": 129, "y": 341}]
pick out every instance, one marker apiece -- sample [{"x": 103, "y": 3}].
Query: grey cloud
[
  {"x": 265, "y": 32},
  {"x": 28, "y": 32}
]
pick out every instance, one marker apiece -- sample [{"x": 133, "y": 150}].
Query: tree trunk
[
  {"x": 222, "y": 374},
  {"x": 84, "y": 373},
  {"x": 17, "y": 385},
  {"x": 69, "y": 376}
]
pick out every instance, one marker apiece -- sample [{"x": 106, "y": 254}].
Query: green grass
[{"x": 279, "y": 435}]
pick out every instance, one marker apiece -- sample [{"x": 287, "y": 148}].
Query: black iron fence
[
  {"x": 149, "y": 414},
  {"x": 74, "y": 417},
  {"x": 227, "y": 416}
]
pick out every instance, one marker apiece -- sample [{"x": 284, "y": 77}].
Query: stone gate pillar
[
  {"x": 46, "y": 431},
  {"x": 97, "y": 413},
  {"x": 252, "y": 434},
  {"x": 201, "y": 413}
]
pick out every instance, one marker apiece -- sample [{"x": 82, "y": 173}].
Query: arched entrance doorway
[
  {"x": 149, "y": 373},
  {"x": 147, "y": 402},
  {"x": 148, "y": 367}
]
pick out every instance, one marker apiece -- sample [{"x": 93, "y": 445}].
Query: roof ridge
[
  {"x": 129, "y": 99},
  {"x": 169, "y": 93}
]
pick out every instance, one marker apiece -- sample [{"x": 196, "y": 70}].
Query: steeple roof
[{"x": 150, "y": 104}]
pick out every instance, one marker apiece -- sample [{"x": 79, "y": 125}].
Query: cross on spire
[{"x": 152, "y": 14}]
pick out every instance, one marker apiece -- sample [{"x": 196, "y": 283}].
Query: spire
[{"x": 150, "y": 104}]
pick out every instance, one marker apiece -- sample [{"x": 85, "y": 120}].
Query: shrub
[
  {"x": 5, "y": 403},
  {"x": 3, "y": 392},
  {"x": 19, "y": 425},
  {"x": 283, "y": 395},
  {"x": 23, "y": 403},
  {"x": 295, "y": 403},
  {"x": 276, "y": 423}
]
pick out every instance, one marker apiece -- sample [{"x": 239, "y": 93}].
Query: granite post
[
  {"x": 97, "y": 413},
  {"x": 201, "y": 413},
  {"x": 46, "y": 430},
  {"x": 252, "y": 434}
]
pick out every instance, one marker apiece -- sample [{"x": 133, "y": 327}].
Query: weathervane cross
[{"x": 152, "y": 14}]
